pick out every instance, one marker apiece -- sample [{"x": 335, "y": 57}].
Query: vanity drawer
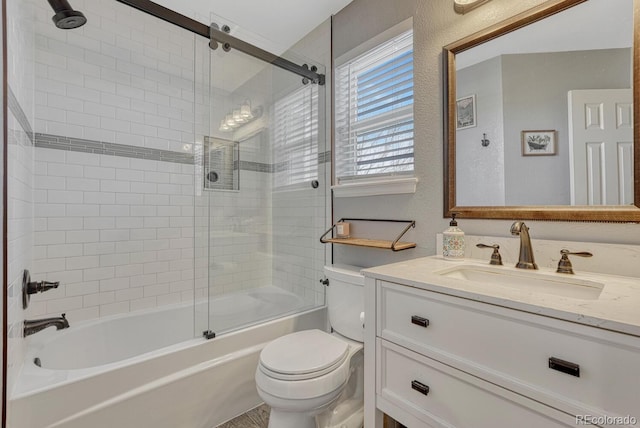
[
  {"x": 442, "y": 396},
  {"x": 516, "y": 349}
]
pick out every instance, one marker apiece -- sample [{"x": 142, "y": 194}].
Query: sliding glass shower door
[{"x": 263, "y": 187}]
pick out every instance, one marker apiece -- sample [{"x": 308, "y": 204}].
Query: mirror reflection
[{"x": 544, "y": 113}]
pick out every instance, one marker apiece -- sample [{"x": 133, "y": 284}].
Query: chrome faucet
[
  {"x": 525, "y": 261},
  {"x": 34, "y": 326}
]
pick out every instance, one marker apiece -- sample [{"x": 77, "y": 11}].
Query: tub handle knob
[{"x": 32, "y": 287}]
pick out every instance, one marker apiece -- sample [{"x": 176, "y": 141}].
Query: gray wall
[
  {"x": 436, "y": 25},
  {"x": 484, "y": 183},
  {"x": 535, "y": 90}
]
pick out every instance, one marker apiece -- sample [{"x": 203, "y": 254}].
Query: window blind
[
  {"x": 295, "y": 137},
  {"x": 374, "y": 112}
]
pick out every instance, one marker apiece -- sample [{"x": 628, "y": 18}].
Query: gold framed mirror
[{"x": 515, "y": 190}]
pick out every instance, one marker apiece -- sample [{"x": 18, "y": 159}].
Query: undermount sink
[{"x": 527, "y": 281}]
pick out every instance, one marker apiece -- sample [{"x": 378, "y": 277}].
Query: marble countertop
[{"x": 617, "y": 308}]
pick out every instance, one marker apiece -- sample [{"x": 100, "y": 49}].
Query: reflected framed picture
[
  {"x": 466, "y": 112},
  {"x": 539, "y": 143}
]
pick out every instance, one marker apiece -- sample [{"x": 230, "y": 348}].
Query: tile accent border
[
  {"x": 19, "y": 114},
  {"x": 57, "y": 142},
  {"x": 48, "y": 141}
]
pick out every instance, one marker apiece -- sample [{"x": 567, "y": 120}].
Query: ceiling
[
  {"x": 273, "y": 25},
  {"x": 596, "y": 24}
]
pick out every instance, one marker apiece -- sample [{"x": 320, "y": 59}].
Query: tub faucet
[
  {"x": 525, "y": 261},
  {"x": 34, "y": 326}
]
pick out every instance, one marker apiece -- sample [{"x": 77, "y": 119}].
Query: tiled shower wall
[
  {"x": 122, "y": 108},
  {"x": 20, "y": 173},
  {"x": 115, "y": 123}
]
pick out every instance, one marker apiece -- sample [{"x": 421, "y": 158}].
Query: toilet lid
[{"x": 303, "y": 353}]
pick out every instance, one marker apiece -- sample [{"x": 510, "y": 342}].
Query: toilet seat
[{"x": 303, "y": 355}]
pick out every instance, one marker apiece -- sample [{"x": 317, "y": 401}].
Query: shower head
[{"x": 66, "y": 18}]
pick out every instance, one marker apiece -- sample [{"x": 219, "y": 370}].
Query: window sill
[{"x": 391, "y": 186}]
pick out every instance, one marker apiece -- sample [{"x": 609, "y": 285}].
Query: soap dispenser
[{"x": 453, "y": 241}]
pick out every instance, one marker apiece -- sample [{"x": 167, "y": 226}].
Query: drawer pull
[
  {"x": 420, "y": 387},
  {"x": 422, "y": 322},
  {"x": 564, "y": 366}
]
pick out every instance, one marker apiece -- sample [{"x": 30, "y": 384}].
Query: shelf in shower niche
[
  {"x": 394, "y": 245},
  {"x": 374, "y": 243}
]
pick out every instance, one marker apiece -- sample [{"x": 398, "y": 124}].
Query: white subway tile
[
  {"x": 49, "y": 182},
  {"x": 114, "y": 308},
  {"x": 63, "y": 305},
  {"x": 144, "y": 303},
  {"x": 99, "y": 222},
  {"x": 108, "y": 235},
  {"x": 81, "y": 236},
  {"x": 82, "y": 288},
  {"x": 99, "y": 273},
  {"x": 130, "y": 271},
  {"x": 84, "y": 262},
  {"x": 114, "y": 161},
  {"x": 46, "y": 238},
  {"x": 129, "y": 198},
  {"x": 114, "y": 284},
  {"x": 84, "y": 184},
  {"x": 129, "y": 222},
  {"x": 129, "y": 294},
  {"x": 99, "y": 172},
  {"x": 76, "y": 210},
  {"x": 64, "y": 250},
  {"x": 65, "y": 170},
  {"x": 80, "y": 158},
  {"x": 115, "y": 186},
  {"x": 96, "y": 248},
  {"x": 142, "y": 280},
  {"x": 130, "y": 246},
  {"x": 64, "y": 223},
  {"x": 156, "y": 290}
]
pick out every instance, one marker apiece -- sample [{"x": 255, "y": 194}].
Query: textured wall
[{"x": 436, "y": 25}]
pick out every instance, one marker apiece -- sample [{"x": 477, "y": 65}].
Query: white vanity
[{"x": 468, "y": 345}]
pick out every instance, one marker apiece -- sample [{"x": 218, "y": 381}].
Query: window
[
  {"x": 374, "y": 112},
  {"x": 295, "y": 136}
]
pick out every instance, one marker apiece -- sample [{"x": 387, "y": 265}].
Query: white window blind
[
  {"x": 374, "y": 112},
  {"x": 295, "y": 136}
]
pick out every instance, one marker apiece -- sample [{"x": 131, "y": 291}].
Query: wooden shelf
[
  {"x": 374, "y": 243},
  {"x": 394, "y": 245}
]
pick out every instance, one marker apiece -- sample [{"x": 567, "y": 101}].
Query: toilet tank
[{"x": 345, "y": 300}]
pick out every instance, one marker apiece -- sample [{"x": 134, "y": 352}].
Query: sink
[{"x": 526, "y": 281}]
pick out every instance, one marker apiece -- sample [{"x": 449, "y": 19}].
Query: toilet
[{"x": 315, "y": 379}]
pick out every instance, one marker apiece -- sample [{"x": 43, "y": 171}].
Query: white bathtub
[{"x": 145, "y": 369}]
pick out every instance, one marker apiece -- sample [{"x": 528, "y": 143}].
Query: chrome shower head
[{"x": 66, "y": 18}]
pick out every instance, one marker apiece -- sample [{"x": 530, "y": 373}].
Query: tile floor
[{"x": 256, "y": 418}]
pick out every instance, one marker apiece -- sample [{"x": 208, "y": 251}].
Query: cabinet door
[{"x": 441, "y": 396}]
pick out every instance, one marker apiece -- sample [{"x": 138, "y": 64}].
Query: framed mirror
[{"x": 539, "y": 119}]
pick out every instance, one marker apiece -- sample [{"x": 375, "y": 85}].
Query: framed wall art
[
  {"x": 539, "y": 143},
  {"x": 466, "y": 112}
]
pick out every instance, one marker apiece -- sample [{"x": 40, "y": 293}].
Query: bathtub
[{"x": 101, "y": 374}]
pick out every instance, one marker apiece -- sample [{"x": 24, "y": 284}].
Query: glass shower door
[{"x": 265, "y": 188}]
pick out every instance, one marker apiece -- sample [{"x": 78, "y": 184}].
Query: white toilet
[{"x": 311, "y": 373}]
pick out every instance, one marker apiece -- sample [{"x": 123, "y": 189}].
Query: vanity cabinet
[{"x": 446, "y": 361}]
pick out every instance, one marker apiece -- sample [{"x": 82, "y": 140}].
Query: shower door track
[{"x": 228, "y": 41}]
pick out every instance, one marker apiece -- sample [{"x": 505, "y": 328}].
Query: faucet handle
[
  {"x": 496, "y": 258},
  {"x": 41, "y": 286},
  {"x": 564, "y": 265}
]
